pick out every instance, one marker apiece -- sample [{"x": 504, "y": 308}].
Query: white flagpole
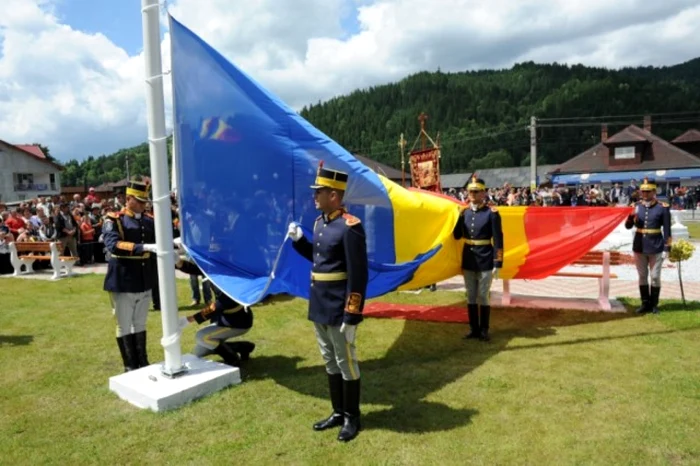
[
  {"x": 174, "y": 169},
  {"x": 157, "y": 144}
]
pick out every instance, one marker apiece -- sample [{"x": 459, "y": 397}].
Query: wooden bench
[
  {"x": 25, "y": 254},
  {"x": 603, "y": 258}
]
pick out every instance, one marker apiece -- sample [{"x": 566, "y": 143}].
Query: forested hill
[
  {"x": 464, "y": 107},
  {"x": 482, "y": 115}
]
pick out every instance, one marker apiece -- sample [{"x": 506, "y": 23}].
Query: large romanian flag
[{"x": 246, "y": 163}]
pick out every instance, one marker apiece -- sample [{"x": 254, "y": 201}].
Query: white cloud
[{"x": 81, "y": 94}]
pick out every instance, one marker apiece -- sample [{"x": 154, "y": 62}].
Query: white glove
[
  {"x": 494, "y": 274},
  {"x": 294, "y": 231},
  {"x": 182, "y": 323},
  {"x": 349, "y": 332},
  {"x": 664, "y": 256},
  {"x": 150, "y": 248}
]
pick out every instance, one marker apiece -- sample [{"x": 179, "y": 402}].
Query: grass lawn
[
  {"x": 551, "y": 388},
  {"x": 693, "y": 229}
]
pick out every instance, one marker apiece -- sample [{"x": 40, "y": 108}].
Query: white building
[{"x": 26, "y": 173}]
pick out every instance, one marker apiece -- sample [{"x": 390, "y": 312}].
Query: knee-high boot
[
  {"x": 654, "y": 299},
  {"x": 335, "y": 386},
  {"x": 351, "y": 410},
  {"x": 484, "y": 319},
  {"x": 140, "y": 345},
  {"x": 473, "y": 314},
  {"x": 128, "y": 352},
  {"x": 646, "y": 303},
  {"x": 229, "y": 356},
  {"x": 243, "y": 348}
]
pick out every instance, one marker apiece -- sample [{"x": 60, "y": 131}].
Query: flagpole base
[{"x": 149, "y": 388}]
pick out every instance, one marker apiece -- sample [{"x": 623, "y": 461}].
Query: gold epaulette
[
  {"x": 494, "y": 209},
  {"x": 351, "y": 220},
  {"x": 114, "y": 215},
  {"x": 665, "y": 204}
]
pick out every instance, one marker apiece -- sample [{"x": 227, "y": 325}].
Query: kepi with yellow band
[
  {"x": 139, "y": 190},
  {"x": 327, "y": 178},
  {"x": 476, "y": 184},
  {"x": 649, "y": 184}
]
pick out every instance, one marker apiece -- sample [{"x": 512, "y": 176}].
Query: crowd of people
[
  {"x": 77, "y": 224},
  {"x": 681, "y": 197}
]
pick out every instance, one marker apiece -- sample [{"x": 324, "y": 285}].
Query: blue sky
[{"x": 120, "y": 20}]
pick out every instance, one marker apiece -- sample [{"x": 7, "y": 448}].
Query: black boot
[
  {"x": 351, "y": 410},
  {"x": 140, "y": 345},
  {"x": 127, "y": 350},
  {"x": 335, "y": 385},
  {"x": 484, "y": 319},
  {"x": 654, "y": 299},
  {"x": 243, "y": 348},
  {"x": 473, "y": 313},
  {"x": 229, "y": 356},
  {"x": 646, "y": 304}
]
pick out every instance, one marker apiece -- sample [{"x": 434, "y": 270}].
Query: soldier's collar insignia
[{"x": 335, "y": 214}]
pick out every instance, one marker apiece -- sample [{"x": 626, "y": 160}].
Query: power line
[
  {"x": 620, "y": 116},
  {"x": 598, "y": 123},
  {"x": 515, "y": 127}
]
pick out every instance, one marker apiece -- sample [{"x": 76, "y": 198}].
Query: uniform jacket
[
  {"x": 130, "y": 269},
  {"x": 224, "y": 311},
  {"x": 339, "y": 248},
  {"x": 480, "y": 226},
  {"x": 653, "y": 224}
]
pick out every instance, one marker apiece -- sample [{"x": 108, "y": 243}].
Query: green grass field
[
  {"x": 553, "y": 387},
  {"x": 694, "y": 230}
]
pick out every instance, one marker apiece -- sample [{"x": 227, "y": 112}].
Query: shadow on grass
[
  {"x": 16, "y": 340},
  {"x": 664, "y": 306},
  {"x": 425, "y": 358}
]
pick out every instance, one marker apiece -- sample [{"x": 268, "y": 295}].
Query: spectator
[
  {"x": 91, "y": 198},
  {"x": 47, "y": 230},
  {"x": 15, "y": 222},
  {"x": 66, "y": 229},
  {"x": 87, "y": 237},
  {"x": 5, "y": 239}
]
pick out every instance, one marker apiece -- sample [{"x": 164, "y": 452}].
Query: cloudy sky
[{"x": 71, "y": 71}]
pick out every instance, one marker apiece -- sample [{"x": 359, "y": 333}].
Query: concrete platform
[{"x": 148, "y": 388}]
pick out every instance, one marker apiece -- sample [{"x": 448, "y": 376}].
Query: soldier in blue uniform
[
  {"x": 129, "y": 236},
  {"x": 227, "y": 318},
  {"x": 651, "y": 244},
  {"x": 337, "y": 296},
  {"x": 480, "y": 227}
]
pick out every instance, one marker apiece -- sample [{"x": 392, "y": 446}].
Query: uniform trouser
[
  {"x": 71, "y": 243},
  {"x": 130, "y": 311},
  {"x": 646, "y": 263},
  {"x": 338, "y": 355},
  {"x": 211, "y": 336},
  {"x": 206, "y": 289},
  {"x": 478, "y": 285}
]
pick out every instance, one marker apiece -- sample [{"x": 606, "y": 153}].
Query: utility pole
[
  {"x": 402, "y": 146},
  {"x": 533, "y": 154}
]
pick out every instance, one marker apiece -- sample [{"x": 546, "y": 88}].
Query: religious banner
[{"x": 425, "y": 169}]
